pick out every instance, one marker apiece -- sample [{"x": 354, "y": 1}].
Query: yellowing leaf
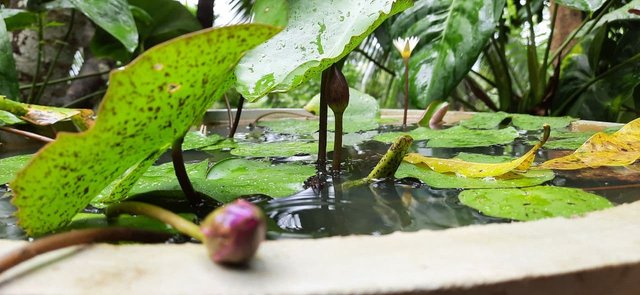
[
  {"x": 44, "y": 115},
  {"x": 618, "y": 149},
  {"x": 473, "y": 169}
]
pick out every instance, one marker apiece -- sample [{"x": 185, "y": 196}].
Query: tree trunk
[{"x": 566, "y": 22}]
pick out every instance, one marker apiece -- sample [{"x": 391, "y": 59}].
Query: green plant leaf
[
  {"x": 231, "y": 178},
  {"x": 485, "y": 120},
  {"x": 46, "y": 115},
  {"x": 149, "y": 104},
  {"x": 319, "y": 33},
  {"x": 457, "y": 136},
  {"x": 157, "y": 21},
  {"x": 450, "y": 180},
  {"x": 456, "y": 32},
  {"x": 18, "y": 19},
  {"x": 7, "y": 118},
  {"x": 520, "y": 121},
  {"x": 8, "y": 76},
  {"x": 272, "y": 12},
  {"x": 619, "y": 14},
  {"x": 528, "y": 122},
  {"x": 584, "y": 5},
  {"x": 278, "y": 149},
  {"x": 195, "y": 140},
  {"x": 10, "y": 166},
  {"x": 114, "y": 17},
  {"x": 534, "y": 202}
]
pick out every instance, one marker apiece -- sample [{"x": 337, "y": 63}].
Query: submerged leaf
[
  {"x": 534, "y": 202},
  {"x": 149, "y": 104},
  {"x": 318, "y": 34},
  {"x": 450, "y": 180},
  {"x": 474, "y": 169},
  {"x": 618, "y": 149}
]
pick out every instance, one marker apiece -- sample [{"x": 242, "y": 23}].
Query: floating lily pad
[
  {"x": 291, "y": 126},
  {"x": 450, "y": 180},
  {"x": 226, "y": 143},
  {"x": 456, "y": 137},
  {"x": 528, "y": 122},
  {"x": 534, "y": 202},
  {"x": 567, "y": 140},
  {"x": 10, "y": 166},
  {"x": 485, "y": 120},
  {"x": 520, "y": 121},
  {"x": 277, "y": 149},
  {"x": 196, "y": 140},
  {"x": 231, "y": 178}
]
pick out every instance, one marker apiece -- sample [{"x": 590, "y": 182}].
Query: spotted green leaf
[
  {"x": 318, "y": 34},
  {"x": 114, "y": 17},
  {"x": 149, "y": 104},
  {"x": 534, "y": 202}
]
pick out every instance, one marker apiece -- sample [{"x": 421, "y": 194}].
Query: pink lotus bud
[{"x": 233, "y": 232}]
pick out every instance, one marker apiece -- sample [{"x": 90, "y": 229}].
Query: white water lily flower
[{"x": 406, "y": 46}]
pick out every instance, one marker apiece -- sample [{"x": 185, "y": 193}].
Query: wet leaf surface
[
  {"x": 114, "y": 17},
  {"x": 10, "y": 166},
  {"x": 318, "y": 34},
  {"x": 618, "y": 149},
  {"x": 534, "y": 202},
  {"x": 520, "y": 121},
  {"x": 278, "y": 149},
  {"x": 149, "y": 104},
  {"x": 195, "y": 140}
]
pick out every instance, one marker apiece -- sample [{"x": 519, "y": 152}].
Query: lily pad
[
  {"x": 485, "y": 120},
  {"x": 456, "y": 137},
  {"x": 196, "y": 140},
  {"x": 292, "y": 126},
  {"x": 450, "y": 180},
  {"x": 520, "y": 121},
  {"x": 534, "y": 202},
  {"x": 149, "y": 104},
  {"x": 528, "y": 122},
  {"x": 10, "y": 166},
  {"x": 277, "y": 149},
  {"x": 231, "y": 178},
  {"x": 318, "y": 34}
]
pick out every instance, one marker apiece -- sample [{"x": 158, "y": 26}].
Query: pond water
[{"x": 385, "y": 206}]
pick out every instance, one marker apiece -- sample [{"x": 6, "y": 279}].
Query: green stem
[
  {"x": 55, "y": 58},
  {"x": 62, "y": 80},
  {"x": 78, "y": 237},
  {"x": 545, "y": 60},
  {"x": 337, "y": 144},
  {"x": 236, "y": 120},
  {"x": 28, "y": 134},
  {"x": 38, "y": 57},
  {"x": 322, "y": 136},
  {"x": 406, "y": 92},
  {"x": 174, "y": 220},
  {"x": 584, "y": 87},
  {"x": 484, "y": 78}
]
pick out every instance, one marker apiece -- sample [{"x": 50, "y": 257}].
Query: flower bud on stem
[{"x": 337, "y": 93}]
